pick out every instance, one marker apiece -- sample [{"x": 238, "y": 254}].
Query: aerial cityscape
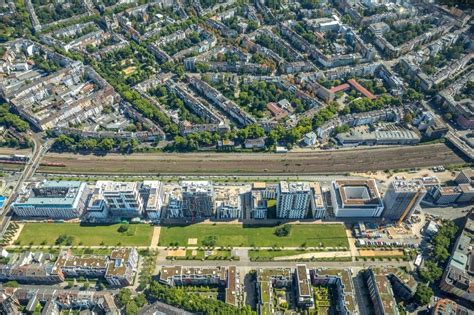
[{"x": 237, "y": 157}]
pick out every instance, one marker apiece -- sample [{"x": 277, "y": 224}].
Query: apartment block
[
  {"x": 51, "y": 199},
  {"x": 381, "y": 293},
  {"x": 121, "y": 198},
  {"x": 31, "y": 268},
  {"x": 299, "y": 200},
  {"x": 304, "y": 292},
  {"x": 152, "y": 193},
  {"x": 118, "y": 268},
  {"x": 198, "y": 199}
]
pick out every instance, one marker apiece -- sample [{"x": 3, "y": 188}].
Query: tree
[
  {"x": 282, "y": 231},
  {"x": 124, "y": 296},
  {"x": 123, "y": 228},
  {"x": 430, "y": 272},
  {"x": 11, "y": 284},
  {"x": 423, "y": 294},
  {"x": 131, "y": 308},
  {"x": 209, "y": 240}
]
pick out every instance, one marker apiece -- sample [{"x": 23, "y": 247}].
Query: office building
[
  {"x": 356, "y": 198},
  {"x": 444, "y": 195},
  {"x": 198, "y": 199},
  {"x": 122, "y": 199},
  {"x": 402, "y": 198},
  {"x": 51, "y": 199},
  {"x": 466, "y": 176},
  {"x": 458, "y": 277}
]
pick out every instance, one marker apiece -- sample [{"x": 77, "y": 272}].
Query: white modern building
[
  {"x": 121, "y": 198},
  {"x": 356, "y": 198},
  {"x": 152, "y": 192},
  {"x": 51, "y": 199},
  {"x": 294, "y": 200}
]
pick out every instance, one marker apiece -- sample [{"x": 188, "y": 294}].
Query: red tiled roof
[
  {"x": 340, "y": 88},
  {"x": 361, "y": 89}
]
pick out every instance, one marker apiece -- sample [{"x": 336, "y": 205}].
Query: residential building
[
  {"x": 51, "y": 199},
  {"x": 31, "y": 268},
  {"x": 152, "y": 192},
  {"x": 381, "y": 293},
  {"x": 449, "y": 307},
  {"x": 121, "y": 198},
  {"x": 118, "y": 268},
  {"x": 81, "y": 266},
  {"x": 198, "y": 199},
  {"x": 356, "y": 198},
  {"x": 458, "y": 276},
  {"x": 122, "y": 267},
  {"x": 294, "y": 200},
  {"x": 228, "y": 200},
  {"x": 341, "y": 285},
  {"x": 402, "y": 198},
  {"x": 180, "y": 275},
  {"x": 267, "y": 281},
  {"x": 304, "y": 292}
]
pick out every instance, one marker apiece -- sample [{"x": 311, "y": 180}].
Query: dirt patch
[
  {"x": 375, "y": 253},
  {"x": 177, "y": 253}
]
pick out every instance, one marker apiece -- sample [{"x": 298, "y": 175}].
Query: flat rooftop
[{"x": 358, "y": 192}]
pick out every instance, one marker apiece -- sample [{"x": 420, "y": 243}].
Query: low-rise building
[
  {"x": 31, "y": 268},
  {"x": 444, "y": 195},
  {"x": 118, "y": 268}
]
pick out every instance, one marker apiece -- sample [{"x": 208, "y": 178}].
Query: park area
[
  {"x": 237, "y": 235},
  {"x": 86, "y": 235}
]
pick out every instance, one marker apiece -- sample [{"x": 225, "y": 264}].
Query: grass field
[
  {"x": 327, "y": 235},
  {"x": 47, "y": 233}
]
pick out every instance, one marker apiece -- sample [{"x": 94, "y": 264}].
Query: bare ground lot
[{"x": 358, "y": 160}]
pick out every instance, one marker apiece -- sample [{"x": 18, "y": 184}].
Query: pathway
[{"x": 156, "y": 236}]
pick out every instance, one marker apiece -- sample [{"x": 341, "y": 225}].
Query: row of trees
[
  {"x": 9, "y": 119},
  {"x": 75, "y": 143},
  {"x": 432, "y": 269}
]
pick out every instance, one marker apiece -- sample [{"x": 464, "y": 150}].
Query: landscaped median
[
  {"x": 238, "y": 235},
  {"x": 74, "y": 234}
]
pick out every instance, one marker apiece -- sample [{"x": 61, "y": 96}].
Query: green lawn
[
  {"x": 47, "y": 233},
  {"x": 328, "y": 235}
]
